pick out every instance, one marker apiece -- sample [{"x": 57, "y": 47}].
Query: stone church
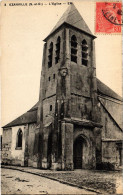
[{"x": 77, "y": 122}]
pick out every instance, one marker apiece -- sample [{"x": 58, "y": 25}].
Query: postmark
[{"x": 108, "y": 17}]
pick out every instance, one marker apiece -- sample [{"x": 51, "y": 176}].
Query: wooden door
[{"x": 78, "y": 154}]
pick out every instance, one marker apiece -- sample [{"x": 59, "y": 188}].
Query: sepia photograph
[{"x": 61, "y": 97}]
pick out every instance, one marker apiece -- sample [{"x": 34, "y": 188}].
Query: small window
[
  {"x": 74, "y": 49},
  {"x": 84, "y": 53},
  {"x": 50, "y": 107},
  {"x": 19, "y": 139},
  {"x": 57, "y": 50},
  {"x": 49, "y": 78},
  {"x": 50, "y": 56},
  {"x": 54, "y": 76}
]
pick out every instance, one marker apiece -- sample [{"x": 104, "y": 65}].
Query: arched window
[
  {"x": 74, "y": 49},
  {"x": 57, "y": 50},
  {"x": 19, "y": 138},
  {"x": 84, "y": 53},
  {"x": 50, "y": 56}
]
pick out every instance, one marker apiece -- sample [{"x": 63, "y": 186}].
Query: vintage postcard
[{"x": 61, "y": 86}]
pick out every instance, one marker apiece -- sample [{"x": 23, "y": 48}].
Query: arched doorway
[{"x": 78, "y": 152}]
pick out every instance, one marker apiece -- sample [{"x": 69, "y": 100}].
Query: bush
[{"x": 105, "y": 166}]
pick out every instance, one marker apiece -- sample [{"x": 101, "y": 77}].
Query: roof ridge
[
  {"x": 107, "y": 91},
  {"x": 27, "y": 117},
  {"x": 72, "y": 17}
]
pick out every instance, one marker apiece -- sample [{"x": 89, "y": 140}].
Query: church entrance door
[{"x": 78, "y": 153}]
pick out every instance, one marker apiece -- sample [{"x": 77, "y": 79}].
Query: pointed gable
[
  {"x": 114, "y": 109},
  {"x": 72, "y": 17},
  {"x": 111, "y": 101}
]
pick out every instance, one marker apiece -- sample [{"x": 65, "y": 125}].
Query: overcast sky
[{"x": 23, "y": 30}]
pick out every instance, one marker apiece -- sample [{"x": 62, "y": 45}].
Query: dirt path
[{"x": 16, "y": 182}]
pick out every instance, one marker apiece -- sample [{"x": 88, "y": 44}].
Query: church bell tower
[{"x": 68, "y": 92}]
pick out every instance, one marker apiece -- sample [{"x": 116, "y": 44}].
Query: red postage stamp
[{"x": 108, "y": 17}]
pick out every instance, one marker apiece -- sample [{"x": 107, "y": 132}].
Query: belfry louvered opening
[
  {"x": 50, "y": 56},
  {"x": 57, "y": 50},
  {"x": 84, "y": 53},
  {"x": 74, "y": 49}
]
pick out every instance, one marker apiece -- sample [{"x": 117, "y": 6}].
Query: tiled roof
[
  {"x": 35, "y": 107},
  {"x": 106, "y": 91},
  {"x": 26, "y": 118},
  {"x": 72, "y": 17}
]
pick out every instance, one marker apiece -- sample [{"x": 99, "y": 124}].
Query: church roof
[
  {"x": 106, "y": 91},
  {"x": 72, "y": 17},
  {"x": 31, "y": 115},
  {"x": 114, "y": 109},
  {"x": 35, "y": 107},
  {"x": 111, "y": 101},
  {"x": 26, "y": 118}
]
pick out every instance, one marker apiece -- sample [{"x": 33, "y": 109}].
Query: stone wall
[
  {"x": 12, "y": 154},
  {"x": 80, "y": 74},
  {"x": 47, "y": 111},
  {"x": 6, "y": 145},
  {"x": 49, "y": 80},
  {"x": 110, "y": 153},
  {"x": 17, "y": 154},
  {"x": 110, "y": 128},
  {"x": 81, "y": 107},
  {"x": 33, "y": 146},
  {"x": 67, "y": 146},
  {"x": 111, "y": 134}
]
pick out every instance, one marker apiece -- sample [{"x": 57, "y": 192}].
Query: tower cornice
[{"x": 65, "y": 24}]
